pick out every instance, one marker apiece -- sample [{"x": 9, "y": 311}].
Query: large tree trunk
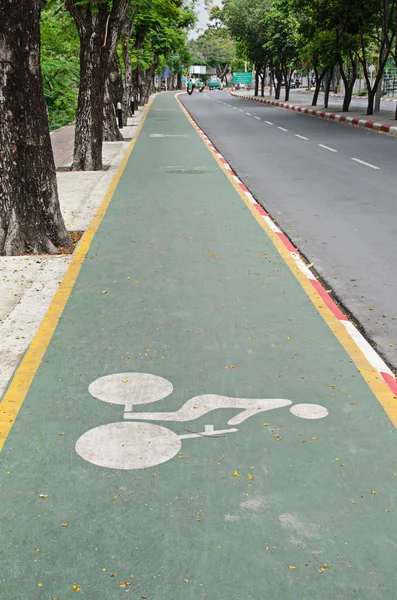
[
  {"x": 327, "y": 86},
  {"x": 127, "y": 96},
  {"x": 30, "y": 216},
  {"x": 111, "y": 132},
  {"x": 349, "y": 84},
  {"x": 99, "y": 31},
  {"x": 113, "y": 95},
  {"x": 277, "y": 84},
  {"x": 256, "y": 92},
  {"x": 318, "y": 77},
  {"x": 148, "y": 81}
]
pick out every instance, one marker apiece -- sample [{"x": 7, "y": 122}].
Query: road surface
[
  {"x": 331, "y": 187},
  {"x": 187, "y": 424}
]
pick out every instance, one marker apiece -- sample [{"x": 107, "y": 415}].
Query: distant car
[{"x": 215, "y": 83}]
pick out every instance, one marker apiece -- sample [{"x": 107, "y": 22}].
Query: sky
[{"x": 202, "y": 18}]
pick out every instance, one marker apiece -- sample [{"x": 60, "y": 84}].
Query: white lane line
[
  {"x": 366, "y": 164},
  {"x": 234, "y": 108},
  {"x": 327, "y": 148},
  {"x": 249, "y": 114},
  {"x": 257, "y": 118},
  {"x": 282, "y": 128},
  {"x": 269, "y": 122},
  {"x": 229, "y": 105},
  {"x": 241, "y": 110},
  {"x": 302, "y": 137}
]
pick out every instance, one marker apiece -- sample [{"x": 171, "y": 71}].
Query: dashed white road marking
[
  {"x": 366, "y": 164},
  {"x": 234, "y": 108},
  {"x": 241, "y": 110},
  {"x": 249, "y": 114},
  {"x": 327, "y": 148},
  {"x": 229, "y": 105},
  {"x": 302, "y": 137},
  {"x": 282, "y": 128},
  {"x": 269, "y": 122},
  {"x": 257, "y": 118}
]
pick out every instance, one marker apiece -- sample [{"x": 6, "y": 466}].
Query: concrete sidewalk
[
  {"x": 190, "y": 422},
  {"x": 382, "y": 121},
  {"x": 28, "y": 283}
]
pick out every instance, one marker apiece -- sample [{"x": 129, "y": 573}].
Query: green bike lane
[{"x": 181, "y": 283}]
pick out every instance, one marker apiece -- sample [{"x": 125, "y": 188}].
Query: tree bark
[
  {"x": 127, "y": 96},
  {"x": 113, "y": 95},
  {"x": 148, "y": 81},
  {"x": 349, "y": 84},
  {"x": 99, "y": 31},
  {"x": 277, "y": 84},
  {"x": 30, "y": 215},
  {"x": 256, "y": 91},
  {"x": 327, "y": 86}
]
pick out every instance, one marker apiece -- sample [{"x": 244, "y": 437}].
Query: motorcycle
[
  {"x": 190, "y": 91},
  {"x": 201, "y": 88}
]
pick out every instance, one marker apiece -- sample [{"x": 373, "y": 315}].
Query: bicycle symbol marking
[{"x": 135, "y": 445}]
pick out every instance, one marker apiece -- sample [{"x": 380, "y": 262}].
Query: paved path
[
  {"x": 230, "y": 488},
  {"x": 358, "y": 106},
  {"x": 339, "y": 212}
]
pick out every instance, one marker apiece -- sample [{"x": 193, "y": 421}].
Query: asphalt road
[{"x": 331, "y": 187}]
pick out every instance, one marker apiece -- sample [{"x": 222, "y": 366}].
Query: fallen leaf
[
  {"x": 235, "y": 474},
  {"x": 76, "y": 588},
  {"x": 186, "y": 581},
  {"x": 373, "y": 493},
  {"x": 64, "y": 524},
  {"x": 291, "y": 567},
  {"x": 39, "y": 585},
  {"x": 124, "y": 584},
  {"x": 250, "y": 476}
]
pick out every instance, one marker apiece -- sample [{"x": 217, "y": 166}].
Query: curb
[
  {"x": 374, "y": 359},
  {"x": 383, "y": 127}
]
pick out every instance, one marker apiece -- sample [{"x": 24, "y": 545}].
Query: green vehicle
[{"x": 215, "y": 83}]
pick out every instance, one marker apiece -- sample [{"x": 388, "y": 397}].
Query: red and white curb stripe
[
  {"x": 391, "y": 129},
  {"x": 370, "y": 354}
]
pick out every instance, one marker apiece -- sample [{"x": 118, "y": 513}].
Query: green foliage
[
  {"x": 59, "y": 64},
  {"x": 214, "y": 49}
]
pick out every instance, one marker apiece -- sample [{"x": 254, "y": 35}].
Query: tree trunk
[
  {"x": 349, "y": 84},
  {"x": 378, "y": 95},
  {"x": 263, "y": 84},
  {"x": 127, "y": 96},
  {"x": 327, "y": 87},
  {"x": 319, "y": 79},
  {"x": 112, "y": 96},
  {"x": 148, "y": 81},
  {"x": 111, "y": 131},
  {"x": 99, "y": 32},
  {"x": 30, "y": 215},
  {"x": 371, "y": 98},
  {"x": 179, "y": 81},
  {"x": 256, "y": 92},
  {"x": 277, "y": 85}
]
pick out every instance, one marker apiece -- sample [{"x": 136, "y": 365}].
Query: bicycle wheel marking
[
  {"x": 128, "y": 445},
  {"x": 138, "y": 445}
]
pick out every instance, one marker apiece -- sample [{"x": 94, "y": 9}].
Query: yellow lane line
[
  {"x": 24, "y": 375},
  {"x": 371, "y": 376}
]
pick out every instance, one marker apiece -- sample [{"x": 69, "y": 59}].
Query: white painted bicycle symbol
[{"x": 136, "y": 445}]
